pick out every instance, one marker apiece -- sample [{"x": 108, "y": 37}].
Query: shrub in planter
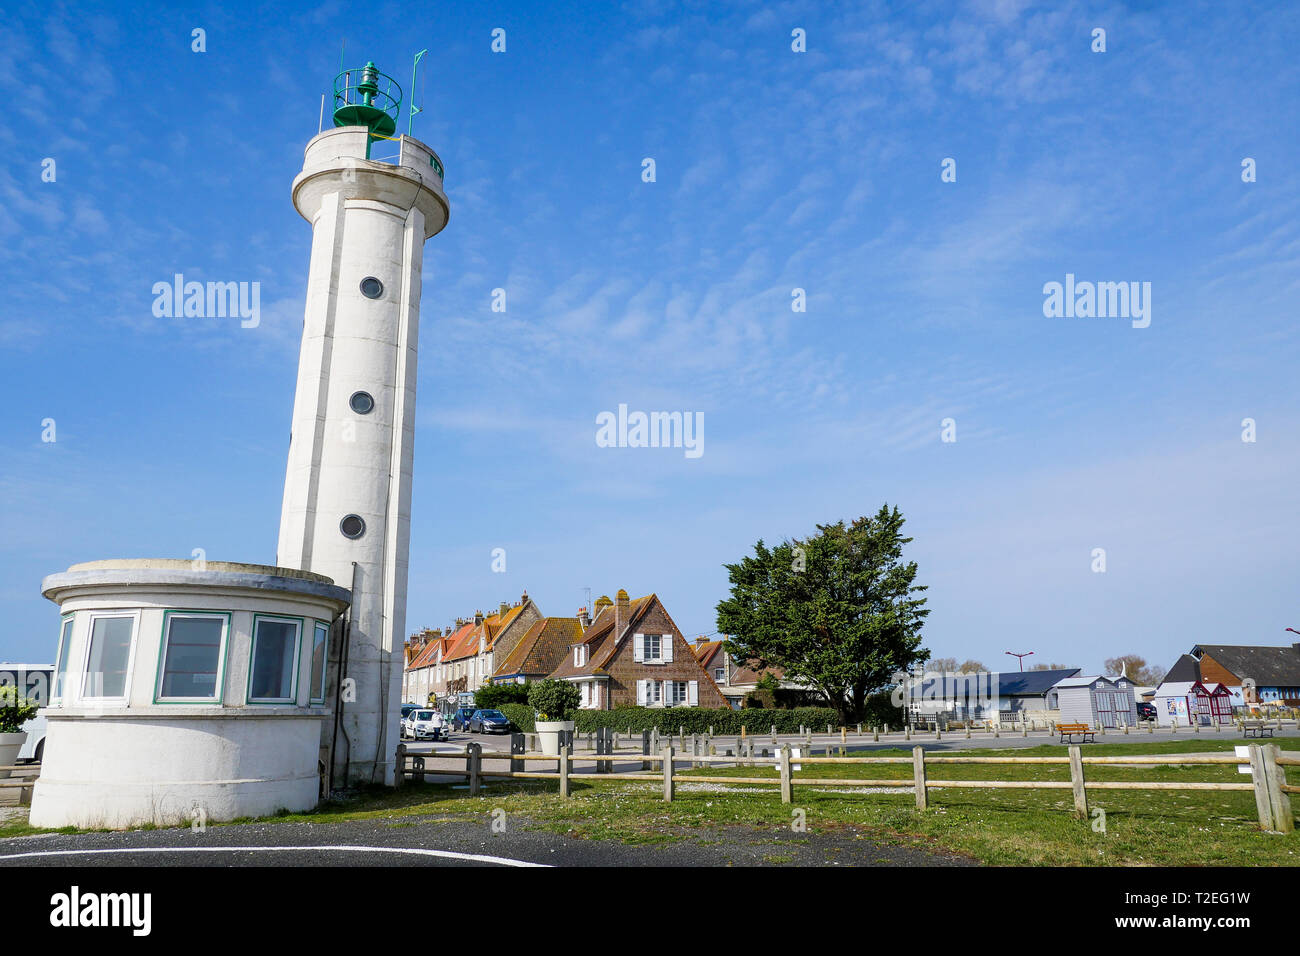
[
  {"x": 15, "y": 710},
  {"x": 554, "y": 700}
]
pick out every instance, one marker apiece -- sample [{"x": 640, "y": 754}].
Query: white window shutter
[
  {"x": 642, "y": 690},
  {"x": 638, "y": 647},
  {"x": 666, "y": 642},
  {"x": 693, "y": 693}
]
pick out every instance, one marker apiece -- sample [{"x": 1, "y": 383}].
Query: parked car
[
  {"x": 407, "y": 708},
  {"x": 34, "y": 681},
  {"x": 1146, "y": 711},
  {"x": 461, "y": 718},
  {"x": 424, "y": 725},
  {"x": 489, "y": 722}
]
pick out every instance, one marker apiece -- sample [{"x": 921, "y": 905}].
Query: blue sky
[{"x": 775, "y": 170}]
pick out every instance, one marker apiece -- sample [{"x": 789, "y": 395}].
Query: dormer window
[{"x": 580, "y": 655}]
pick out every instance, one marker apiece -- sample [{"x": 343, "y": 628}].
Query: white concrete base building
[{"x": 182, "y": 694}]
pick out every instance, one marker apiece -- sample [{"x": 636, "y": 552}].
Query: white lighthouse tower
[{"x": 347, "y": 491}]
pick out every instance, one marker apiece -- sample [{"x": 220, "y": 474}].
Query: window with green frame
[
  {"x": 61, "y": 661},
  {"x": 319, "y": 658},
  {"x": 272, "y": 673},
  {"x": 193, "y": 648}
]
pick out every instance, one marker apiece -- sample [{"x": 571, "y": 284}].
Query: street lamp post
[{"x": 1021, "y": 658}]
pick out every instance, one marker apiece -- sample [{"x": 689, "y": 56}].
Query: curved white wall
[{"x": 137, "y": 759}]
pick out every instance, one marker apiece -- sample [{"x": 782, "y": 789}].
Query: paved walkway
[{"x": 416, "y": 841}]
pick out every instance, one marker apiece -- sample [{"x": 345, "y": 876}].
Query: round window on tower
[
  {"x": 371, "y": 287},
  {"x": 362, "y": 403},
  {"x": 352, "y": 526}
]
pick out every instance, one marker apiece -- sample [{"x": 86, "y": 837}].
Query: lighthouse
[{"x": 347, "y": 492}]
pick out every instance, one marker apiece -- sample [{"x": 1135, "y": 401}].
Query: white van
[{"x": 33, "y": 681}]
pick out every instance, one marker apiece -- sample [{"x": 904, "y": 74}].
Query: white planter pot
[
  {"x": 548, "y": 735},
  {"x": 10, "y": 744}
]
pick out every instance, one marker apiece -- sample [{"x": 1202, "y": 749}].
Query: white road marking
[{"x": 444, "y": 854}]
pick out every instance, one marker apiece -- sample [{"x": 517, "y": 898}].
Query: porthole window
[
  {"x": 352, "y": 526},
  {"x": 371, "y": 287},
  {"x": 362, "y": 403}
]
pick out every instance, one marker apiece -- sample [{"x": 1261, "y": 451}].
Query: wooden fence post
[
  {"x": 475, "y": 767},
  {"x": 1279, "y": 801},
  {"x": 400, "y": 777},
  {"x": 564, "y": 772},
  {"x": 787, "y": 789},
  {"x": 1259, "y": 778},
  {"x": 1076, "y": 783},
  {"x": 668, "y": 773},
  {"x": 918, "y": 777}
]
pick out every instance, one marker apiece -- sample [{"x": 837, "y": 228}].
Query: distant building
[
  {"x": 1191, "y": 703},
  {"x": 541, "y": 649},
  {"x": 1096, "y": 701},
  {"x": 1273, "y": 672},
  {"x": 735, "y": 680}
]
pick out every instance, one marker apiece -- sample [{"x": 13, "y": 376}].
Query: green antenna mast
[
  {"x": 368, "y": 98},
  {"x": 410, "y": 125}
]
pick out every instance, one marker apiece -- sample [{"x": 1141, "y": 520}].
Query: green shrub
[
  {"x": 14, "y": 710},
  {"x": 492, "y": 696},
  {"x": 698, "y": 720},
  {"x": 521, "y": 716},
  {"x": 554, "y": 699}
]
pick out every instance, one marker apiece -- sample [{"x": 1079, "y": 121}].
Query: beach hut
[
  {"x": 1097, "y": 701},
  {"x": 1191, "y": 703}
]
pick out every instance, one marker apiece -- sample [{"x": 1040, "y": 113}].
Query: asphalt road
[{"x": 460, "y": 842}]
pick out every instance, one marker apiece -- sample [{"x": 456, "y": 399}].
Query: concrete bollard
[
  {"x": 875, "y": 734},
  {"x": 564, "y": 772}
]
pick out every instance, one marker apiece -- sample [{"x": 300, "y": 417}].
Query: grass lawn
[{"x": 1016, "y": 827}]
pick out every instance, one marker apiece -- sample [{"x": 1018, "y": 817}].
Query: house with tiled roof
[
  {"x": 425, "y": 652},
  {"x": 633, "y": 653},
  {"x": 541, "y": 649},
  {"x": 734, "y": 680},
  {"x": 463, "y": 658}
]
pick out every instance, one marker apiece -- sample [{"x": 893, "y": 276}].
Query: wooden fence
[
  {"x": 22, "y": 784},
  {"x": 1267, "y": 774}
]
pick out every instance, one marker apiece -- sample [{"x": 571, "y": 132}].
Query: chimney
[
  {"x": 505, "y": 606},
  {"x": 620, "y": 612},
  {"x": 584, "y": 621},
  {"x": 700, "y": 641},
  {"x": 478, "y": 618}
]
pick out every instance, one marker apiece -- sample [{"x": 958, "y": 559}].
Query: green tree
[{"x": 838, "y": 611}]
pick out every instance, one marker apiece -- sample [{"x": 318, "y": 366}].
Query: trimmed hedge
[
  {"x": 521, "y": 715},
  {"x": 698, "y": 720}
]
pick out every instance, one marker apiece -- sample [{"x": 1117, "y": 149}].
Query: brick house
[
  {"x": 633, "y": 653},
  {"x": 541, "y": 649},
  {"x": 463, "y": 657},
  {"x": 734, "y": 680}
]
